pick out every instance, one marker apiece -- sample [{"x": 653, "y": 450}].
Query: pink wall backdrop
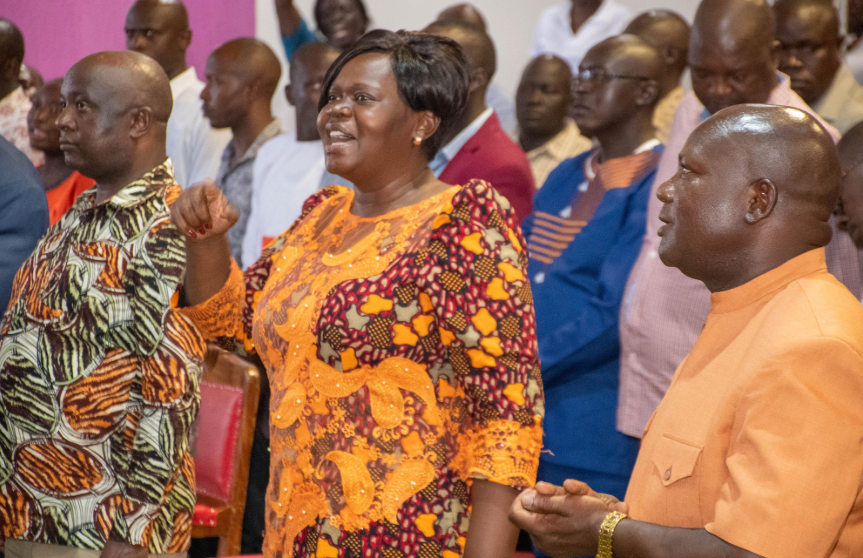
[{"x": 58, "y": 33}]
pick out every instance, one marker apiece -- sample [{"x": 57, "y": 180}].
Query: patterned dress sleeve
[
  {"x": 483, "y": 301},
  {"x": 154, "y": 457},
  {"x": 226, "y": 317}
]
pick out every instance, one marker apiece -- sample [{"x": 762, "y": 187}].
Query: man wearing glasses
[
  {"x": 809, "y": 42},
  {"x": 584, "y": 235}
]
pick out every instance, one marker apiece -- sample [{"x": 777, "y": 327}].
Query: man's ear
[
  {"x": 186, "y": 39},
  {"x": 761, "y": 198},
  {"x": 427, "y": 124},
  {"x": 648, "y": 93},
  {"x": 670, "y": 55},
  {"x": 142, "y": 121},
  {"x": 478, "y": 79},
  {"x": 289, "y": 95}
]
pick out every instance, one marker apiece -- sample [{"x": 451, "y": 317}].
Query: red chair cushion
[
  {"x": 216, "y": 444},
  {"x": 205, "y": 515}
]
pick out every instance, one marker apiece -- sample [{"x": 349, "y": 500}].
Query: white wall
[{"x": 511, "y": 24}]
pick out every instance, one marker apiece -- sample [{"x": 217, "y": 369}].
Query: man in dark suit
[
  {"x": 479, "y": 147},
  {"x": 23, "y": 214}
]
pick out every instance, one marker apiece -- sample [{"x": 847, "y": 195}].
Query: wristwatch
[{"x": 606, "y": 530}]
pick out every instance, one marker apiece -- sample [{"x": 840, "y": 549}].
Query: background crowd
[{"x": 454, "y": 290}]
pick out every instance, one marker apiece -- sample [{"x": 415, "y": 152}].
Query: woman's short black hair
[{"x": 431, "y": 73}]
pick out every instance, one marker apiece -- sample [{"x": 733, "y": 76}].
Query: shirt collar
[
  {"x": 768, "y": 283},
  {"x": 183, "y": 81},
  {"x": 15, "y": 97},
  {"x": 558, "y": 145},
  {"x": 448, "y": 152},
  {"x": 272, "y": 130},
  {"x": 134, "y": 193}
]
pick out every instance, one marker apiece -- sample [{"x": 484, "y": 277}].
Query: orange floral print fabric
[{"x": 402, "y": 358}]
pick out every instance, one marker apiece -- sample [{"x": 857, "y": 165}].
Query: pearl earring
[{"x": 418, "y": 140}]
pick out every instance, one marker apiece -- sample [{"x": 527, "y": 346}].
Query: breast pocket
[{"x": 676, "y": 462}]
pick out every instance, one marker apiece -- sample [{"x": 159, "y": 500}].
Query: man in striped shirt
[
  {"x": 732, "y": 60},
  {"x": 584, "y": 236}
]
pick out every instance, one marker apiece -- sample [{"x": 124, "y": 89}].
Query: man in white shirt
[
  {"x": 160, "y": 29},
  {"x": 289, "y": 168},
  {"x": 570, "y": 29}
]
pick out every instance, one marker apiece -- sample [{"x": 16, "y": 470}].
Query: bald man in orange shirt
[{"x": 757, "y": 447}]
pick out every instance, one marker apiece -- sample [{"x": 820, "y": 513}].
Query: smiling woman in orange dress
[{"x": 395, "y": 321}]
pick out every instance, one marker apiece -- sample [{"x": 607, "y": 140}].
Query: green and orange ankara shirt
[{"x": 99, "y": 379}]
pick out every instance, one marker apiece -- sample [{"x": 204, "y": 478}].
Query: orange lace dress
[{"x": 402, "y": 358}]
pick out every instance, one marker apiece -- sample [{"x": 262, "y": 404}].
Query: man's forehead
[
  {"x": 225, "y": 65},
  {"x": 612, "y": 59},
  {"x": 92, "y": 80},
  {"x": 545, "y": 71},
  {"x": 807, "y": 21},
  {"x": 148, "y": 16}
]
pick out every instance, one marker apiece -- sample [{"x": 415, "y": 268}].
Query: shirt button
[{"x": 668, "y": 473}]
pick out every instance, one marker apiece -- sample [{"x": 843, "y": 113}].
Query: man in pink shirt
[{"x": 732, "y": 60}]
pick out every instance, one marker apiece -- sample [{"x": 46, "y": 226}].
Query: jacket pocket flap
[{"x": 675, "y": 458}]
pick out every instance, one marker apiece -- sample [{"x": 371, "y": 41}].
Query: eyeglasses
[{"x": 594, "y": 77}]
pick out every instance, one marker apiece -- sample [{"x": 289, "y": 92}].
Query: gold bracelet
[{"x": 606, "y": 530}]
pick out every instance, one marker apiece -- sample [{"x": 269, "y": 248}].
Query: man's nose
[
  {"x": 789, "y": 59},
  {"x": 720, "y": 87},
  {"x": 665, "y": 192},
  {"x": 63, "y": 119},
  {"x": 137, "y": 41}
]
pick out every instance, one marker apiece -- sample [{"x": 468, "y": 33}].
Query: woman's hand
[{"x": 202, "y": 211}]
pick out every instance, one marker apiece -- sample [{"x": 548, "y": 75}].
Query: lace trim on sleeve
[
  {"x": 505, "y": 452},
  {"x": 221, "y": 315}
]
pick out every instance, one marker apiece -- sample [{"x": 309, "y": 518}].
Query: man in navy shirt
[
  {"x": 23, "y": 214},
  {"x": 584, "y": 235}
]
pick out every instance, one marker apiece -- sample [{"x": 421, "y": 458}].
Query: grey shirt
[{"x": 235, "y": 180}]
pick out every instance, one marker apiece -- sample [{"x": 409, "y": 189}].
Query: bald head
[
  {"x": 117, "y": 106},
  {"x": 668, "y": 33},
  {"x": 160, "y": 29},
  {"x": 608, "y": 108},
  {"x": 761, "y": 186},
  {"x": 542, "y": 100},
  {"x": 476, "y": 44},
  {"x": 464, "y": 13},
  {"x": 11, "y": 55},
  {"x": 732, "y": 53},
  {"x": 630, "y": 54},
  {"x": 788, "y": 147},
  {"x": 242, "y": 76},
  {"x": 126, "y": 80},
  {"x": 253, "y": 61}
]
